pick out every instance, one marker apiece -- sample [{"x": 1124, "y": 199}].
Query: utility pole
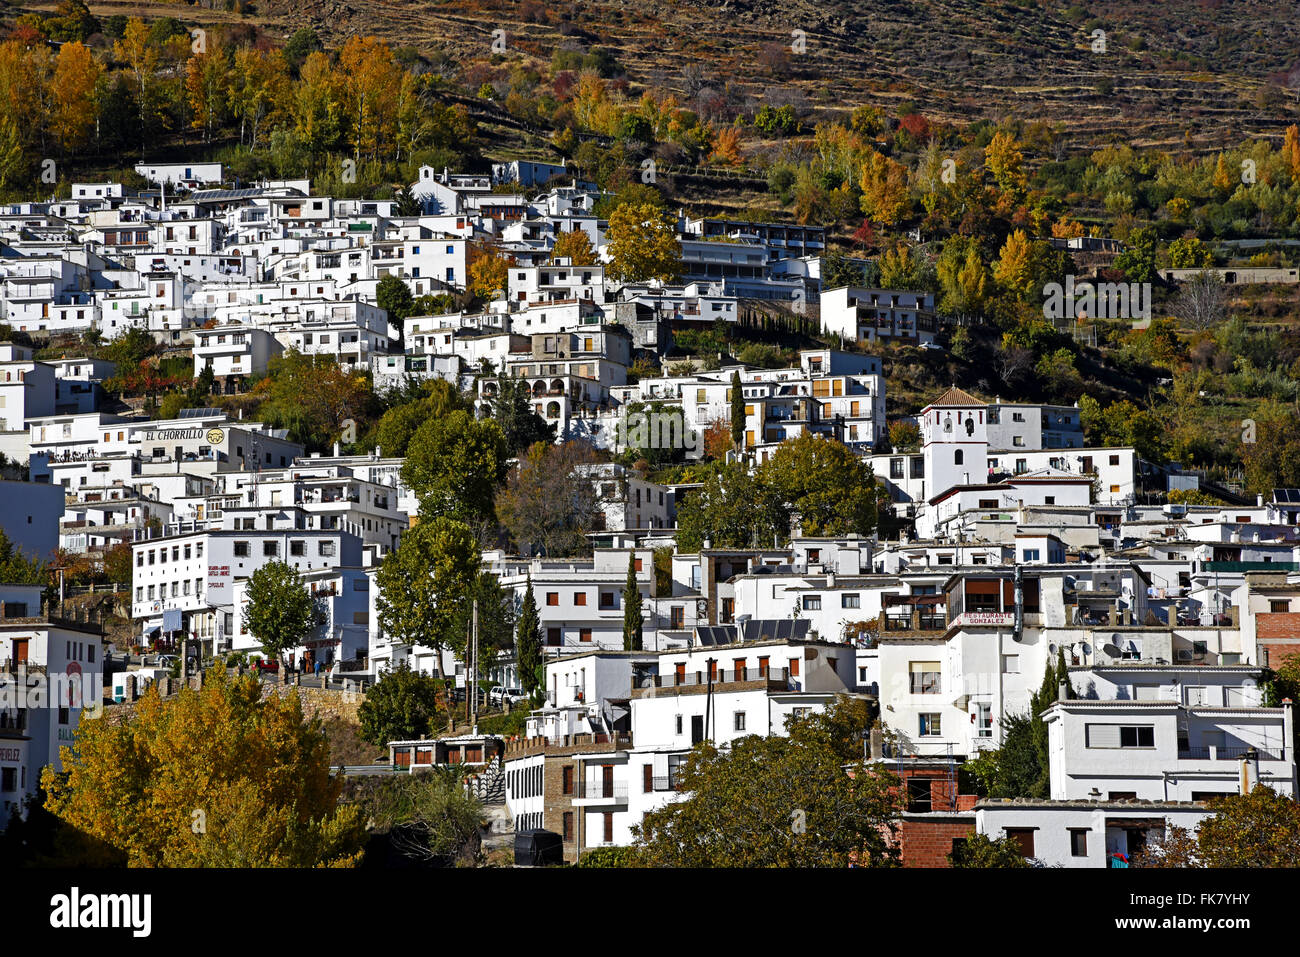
[{"x": 473, "y": 723}]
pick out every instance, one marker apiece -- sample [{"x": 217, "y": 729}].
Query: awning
[{"x": 152, "y": 629}]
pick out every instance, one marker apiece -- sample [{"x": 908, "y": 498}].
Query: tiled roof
[{"x": 956, "y": 396}]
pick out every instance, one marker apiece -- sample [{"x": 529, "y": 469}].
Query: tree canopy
[{"x": 219, "y": 777}]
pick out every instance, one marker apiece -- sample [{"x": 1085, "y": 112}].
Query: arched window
[{"x": 957, "y": 457}]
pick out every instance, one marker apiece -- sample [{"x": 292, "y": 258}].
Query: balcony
[
  {"x": 1213, "y": 753},
  {"x": 670, "y": 783},
  {"x": 611, "y": 792}
]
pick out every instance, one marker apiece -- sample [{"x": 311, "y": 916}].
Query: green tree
[
  {"x": 394, "y": 296},
  {"x": 512, "y": 410},
  {"x": 632, "y": 623},
  {"x": 280, "y": 612},
  {"x": 980, "y": 851},
  {"x": 16, "y": 568},
  {"x": 429, "y": 400},
  {"x": 253, "y": 771},
  {"x": 831, "y": 489},
  {"x": 528, "y": 646},
  {"x": 775, "y": 802},
  {"x": 737, "y": 411},
  {"x": 421, "y": 581},
  {"x": 1015, "y": 768},
  {"x": 1261, "y": 829},
  {"x": 401, "y": 706},
  {"x": 1138, "y": 260},
  {"x": 733, "y": 509},
  {"x": 454, "y": 465}
]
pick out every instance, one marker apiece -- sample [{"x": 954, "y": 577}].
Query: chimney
[
  {"x": 1249, "y": 775},
  {"x": 877, "y": 739},
  {"x": 1062, "y": 692}
]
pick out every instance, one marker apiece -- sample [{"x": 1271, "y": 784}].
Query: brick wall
[
  {"x": 926, "y": 840},
  {"x": 1279, "y": 632},
  {"x": 555, "y": 802}
]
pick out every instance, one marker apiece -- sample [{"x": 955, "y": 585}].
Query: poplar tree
[{"x": 528, "y": 644}]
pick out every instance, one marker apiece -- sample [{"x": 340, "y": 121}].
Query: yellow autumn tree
[
  {"x": 21, "y": 85},
  {"x": 489, "y": 271},
  {"x": 317, "y": 105},
  {"x": 142, "y": 59},
  {"x": 72, "y": 95},
  {"x": 726, "y": 147},
  {"x": 257, "y": 89},
  {"x": 371, "y": 81},
  {"x": 1067, "y": 228},
  {"x": 1291, "y": 151},
  {"x": 643, "y": 244},
  {"x": 205, "y": 87},
  {"x": 1015, "y": 268},
  {"x": 1004, "y": 160},
  {"x": 212, "y": 778},
  {"x": 884, "y": 190},
  {"x": 574, "y": 245},
  {"x": 1222, "y": 175}
]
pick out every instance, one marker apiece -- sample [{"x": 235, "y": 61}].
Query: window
[
  {"x": 1114, "y": 460},
  {"x": 580, "y": 598},
  {"x": 241, "y": 549},
  {"x": 895, "y": 468},
  {"x": 958, "y": 457},
  {"x": 1018, "y": 441},
  {"x": 568, "y": 825},
  {"x": 924, "y": 677},
  {"x": 1078, "y": 842},
  {"x": 552, "y": 598},
  {"x": 1011, "y": 664},
  {"x": 584, "y": 634},
  {"x": 1030, "y": 555},
  {"x": 270, "y": 549},
  {"x": 739, "y": 722},
  {"x": 812, "y": 602},
  {"x": 553, "y": 637},
  {"x": 567, "y": 779},
  {"x": 1279, "y": 606},
  {"x": 327, "y": 548},
  {"x": 794, "y": 667},
  {"x": 607, "y": 599},
  {"x": 678, "y": 724},
  {"x": 851, "y": 600},
  {"x": 609, "y": 828},
  {"x": 984, "y": 719},
  {"x": 297, "y": 548},
  {"x": 1024, "y": 836},
  {"x": 930, "y": 723},
  {"x": 1119, "y": 736}
]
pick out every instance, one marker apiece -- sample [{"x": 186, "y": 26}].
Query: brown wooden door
[
  {"x": 681, "y": 673},
  {"x": 647, "y": 778},
  {"x": 607, "y": 780},
  {"x": 20, "y": 649}
]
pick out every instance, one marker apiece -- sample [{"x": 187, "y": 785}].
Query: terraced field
[{"x": 1181, "y": 74}]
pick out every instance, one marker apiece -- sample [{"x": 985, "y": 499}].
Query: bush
[{"x": 609, "y": 857}]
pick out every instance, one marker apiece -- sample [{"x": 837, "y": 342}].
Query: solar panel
[
  {"x": 712, "y": 635},
  {"x": 776, "y": 629},
  {"x": 1286, "y": 494},
  {"x": 198, "y": 413}
]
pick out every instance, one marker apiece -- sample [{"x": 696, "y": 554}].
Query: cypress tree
[
  {"x": 631, "y": 608},
  {"x": 737, "y": 411},
  {"x": 528, "y": 645},
  {"x": 1063, "y": 673}
]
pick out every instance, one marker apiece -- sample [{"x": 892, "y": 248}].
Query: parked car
[
  {"x": 267, "y": 664},
  {"x": 498, "y": 694},
  {"x": 458, "y": 696}
]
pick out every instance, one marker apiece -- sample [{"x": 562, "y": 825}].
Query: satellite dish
[
  {"x": 1051, "y": 649},
  {"x": 1111, "y": 649},
  {"x": 1086, "y": 650}
]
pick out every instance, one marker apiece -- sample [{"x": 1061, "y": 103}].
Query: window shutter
[{"x": 1103, "y": 735}]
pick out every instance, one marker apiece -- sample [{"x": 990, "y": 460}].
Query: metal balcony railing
[
  {"x": 1229, "y": 754},
  {"x": 608, "y": 790}
]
